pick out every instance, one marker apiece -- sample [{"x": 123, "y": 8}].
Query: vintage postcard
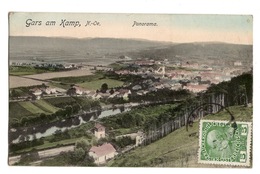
[{"x": 130, "y": 90}]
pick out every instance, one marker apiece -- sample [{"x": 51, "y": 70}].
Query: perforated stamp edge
[{"x": 248, "y": 149}]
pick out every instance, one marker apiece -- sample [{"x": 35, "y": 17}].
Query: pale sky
[{"x": 174, "y": 28}]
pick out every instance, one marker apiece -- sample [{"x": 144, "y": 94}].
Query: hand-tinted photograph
[{"x": 130, "y": 90}]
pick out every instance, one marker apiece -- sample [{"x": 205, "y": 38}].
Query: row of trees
[
  {"x": 142, "y": 117},
  {"x": 238, "y": 91},
  {"x": 161, "y": 95}
]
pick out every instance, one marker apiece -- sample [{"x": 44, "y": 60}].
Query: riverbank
[{"x": 47, "y": 129}]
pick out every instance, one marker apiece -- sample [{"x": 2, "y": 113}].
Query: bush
[
  {"x": 59, "y": 135},
  {"x": 124, "y": 141}
]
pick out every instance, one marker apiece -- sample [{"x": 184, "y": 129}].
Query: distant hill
[
  {"x": 58, "y": 49},
  {"x": 203, "y": 50},
  {"x": 107, "y": 50}
]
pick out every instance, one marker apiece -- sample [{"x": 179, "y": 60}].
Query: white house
[
  {"x": 36, "y": 91},
  {"x": 196, "y": 88},
  {"x": 102, "y": 153},
  {"x": 49, "y": 90},
  {"x": 77, "y": 90}
]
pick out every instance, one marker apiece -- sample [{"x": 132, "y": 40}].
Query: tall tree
[{"x": 104, "y": 88}]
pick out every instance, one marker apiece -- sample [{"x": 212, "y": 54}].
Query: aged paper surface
[
  {"x": 116, "y": 34},
  {"x": 128, "y": 90}
]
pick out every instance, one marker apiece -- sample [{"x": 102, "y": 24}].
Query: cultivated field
[
  {"x": 19, "y": 110},
  {"x": 60, "y": 101},
  {"x": 15, "y": 82},
  {"x": 72, "y": 73},
  {"x": 94, "y": 85},
  {"x": 45, "y": 106},
  {"x": 31, "y": 107}
]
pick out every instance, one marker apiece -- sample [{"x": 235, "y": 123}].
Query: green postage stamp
[{"x": 223, "y": 143}]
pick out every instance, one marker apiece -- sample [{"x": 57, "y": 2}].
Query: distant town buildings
[
  {"x": 155, "y": 74},
  {"x": 196, "y": 88}
]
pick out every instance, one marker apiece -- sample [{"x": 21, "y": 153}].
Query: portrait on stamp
[{"x": 222, "y": 143}]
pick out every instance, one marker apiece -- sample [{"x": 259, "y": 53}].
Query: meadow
[
  {"x": 94, "y": 85},
  {"x": 25, "y": 70}
]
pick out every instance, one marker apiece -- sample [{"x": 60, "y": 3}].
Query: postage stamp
[{"x": 223, "y": 143}]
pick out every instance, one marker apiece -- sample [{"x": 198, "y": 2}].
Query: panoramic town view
[{"x": 124, "y": 97}]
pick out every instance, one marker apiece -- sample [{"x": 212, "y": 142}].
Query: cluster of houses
[
  {"x": 194, "y": 81},
  {"x": 41, "y": 64},
  {"x": 110, "y": 93},
  {"x": 37, "y": 93},
  {"x": 101, "y": 154},
  {"x": 171, "y": 75},
  {"x": 198, "y": 76}
]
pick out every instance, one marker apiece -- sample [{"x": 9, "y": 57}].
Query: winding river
[{"x": 48, "y": 129}]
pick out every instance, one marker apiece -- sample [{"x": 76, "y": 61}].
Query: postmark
[{"x": 224, "y": 143}]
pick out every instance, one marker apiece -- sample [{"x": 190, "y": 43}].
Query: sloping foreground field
[{"x": 178, "y": 149}]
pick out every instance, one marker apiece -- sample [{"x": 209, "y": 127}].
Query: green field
[
  {"x": 94, "y": 85},
  {"x": 78, "y": 79},
  {"x": 45, "y": 106},
  {"x": 60, "y": 101},
  {"x": 31, "y": 107},
  {"x": 19, "y": 110},
  {"x": 25, "y": 70},
  {"x": 60, "y": 85},
  {"x": 17, "y": 92},
  {"x": 177, "y": 149}
]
